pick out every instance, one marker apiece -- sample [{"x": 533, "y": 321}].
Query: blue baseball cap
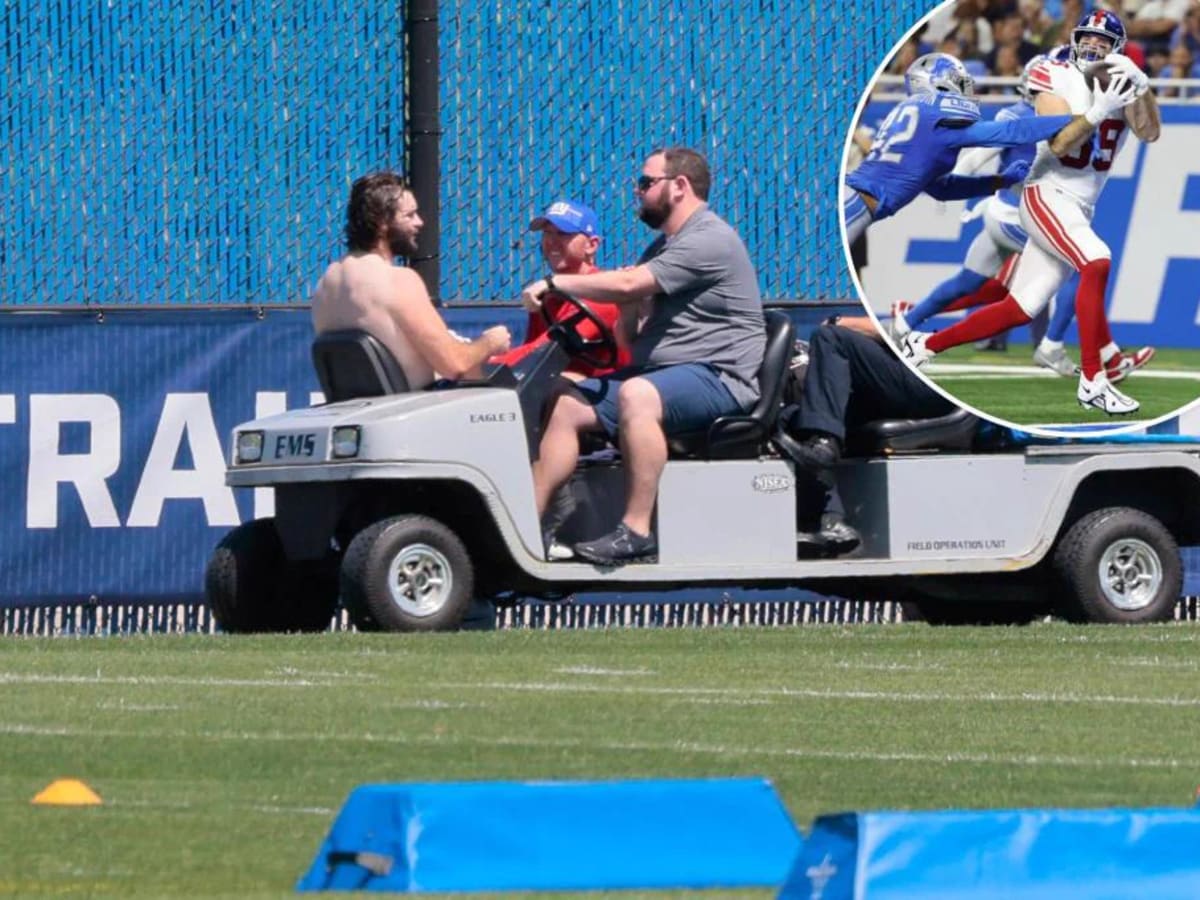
[{"x": 568, "y": 217}]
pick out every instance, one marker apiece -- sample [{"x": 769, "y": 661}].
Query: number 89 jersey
[
  {"x": 917, "y": 143},
  {"x": 1083, "y": 171}
]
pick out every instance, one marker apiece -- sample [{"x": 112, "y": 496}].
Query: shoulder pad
[
  {"x": 956, "y": 112},
  {"x": 1045, "y": 74}
]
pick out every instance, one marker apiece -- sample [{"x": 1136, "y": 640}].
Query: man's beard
[
  {"x": 655, "y": 215},
  {"x": 401, "y": 243}
]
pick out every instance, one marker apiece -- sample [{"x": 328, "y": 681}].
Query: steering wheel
[{"x": 600, "y": 351}]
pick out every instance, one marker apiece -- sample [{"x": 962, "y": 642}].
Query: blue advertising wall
[
  {"x": 1148, "y": 214},
  {"x": 114, "y": 432}
]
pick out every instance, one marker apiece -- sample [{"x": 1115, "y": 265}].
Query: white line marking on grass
[
  {"x": 829, "y": 694},
  {"x": 431, "y": 704},
  {"x": 186, "y": 805},
  {"x": 595, "y": 670},
  {"x": 721, "y": 701},
  {"x": 962, "y": 370},
  {"x": 291, "y": 671},
  {"x": 1154, "y": 662},
  {"x": 291, "y": 810},
  {"x": 887, "y": 667},
  {"x": 192, "y": 681},
  {"x": 588, "y": 744},
  {"x": 122, "y": 706}
]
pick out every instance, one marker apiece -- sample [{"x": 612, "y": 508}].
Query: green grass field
[
  {"x": 222, "y": 761},
  {"x": 1027, "y": 399}
]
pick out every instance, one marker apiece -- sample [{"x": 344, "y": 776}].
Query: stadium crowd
[{"x": 998, "y": 37}]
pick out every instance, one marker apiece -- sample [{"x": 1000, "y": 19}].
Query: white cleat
[
  {"x": 899, "y": 326},
  {"x": 1124, "y": 363},
  {"x": 1055, "y": 360},
  {"x": 913, "y": 348},
  {"x": 1098, "y": 393}
]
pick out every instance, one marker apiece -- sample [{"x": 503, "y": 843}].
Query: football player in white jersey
[{"x": 1056, "y": 210}]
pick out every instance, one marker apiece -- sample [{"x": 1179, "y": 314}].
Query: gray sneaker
[
  {"x": 1055, "y": 360},
  {"x": 619, "y": 546}
]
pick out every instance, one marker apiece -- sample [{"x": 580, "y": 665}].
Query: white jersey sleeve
[{"x": 1083, "y": 170}]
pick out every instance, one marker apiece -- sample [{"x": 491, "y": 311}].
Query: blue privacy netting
[{"x": 167, "y": 152}]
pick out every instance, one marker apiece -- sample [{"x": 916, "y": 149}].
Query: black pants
[{"x": 853, "y": 379}]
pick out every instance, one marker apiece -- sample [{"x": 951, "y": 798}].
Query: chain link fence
[{"x": 168, "y": 152}]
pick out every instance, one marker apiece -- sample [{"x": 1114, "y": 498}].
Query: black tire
[
  {"x": 408, "y": 573},
  {"x": 1119, "y": 565},
  {"x": 251, "y": 587}
]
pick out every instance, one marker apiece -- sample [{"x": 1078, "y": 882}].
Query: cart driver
[{"x": 695, "y": 358}]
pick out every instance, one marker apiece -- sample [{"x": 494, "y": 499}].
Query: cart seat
[
  {"x": 353, "y": 363},
  {"x": 745, "y": 436},
  {"x": 953, "y": 431}
]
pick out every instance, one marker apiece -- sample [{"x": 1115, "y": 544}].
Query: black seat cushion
[
  {"x": 353, "y": 363},
  {"x": 954, "y": 431},
  {"x": 745, "y": 436}
]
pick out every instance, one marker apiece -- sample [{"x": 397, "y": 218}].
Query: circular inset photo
[{"x": 1022, "y": 218}]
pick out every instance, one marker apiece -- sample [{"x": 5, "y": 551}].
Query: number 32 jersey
[
  {"x": 1083, "y": 171},
  {"x": 917, "y": 146}
]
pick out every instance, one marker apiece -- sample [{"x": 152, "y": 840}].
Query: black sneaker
[
  {"x": 819, "y": 451},
  {"x": 621, "y": 545},
  {"x": 836, "y": 538}
]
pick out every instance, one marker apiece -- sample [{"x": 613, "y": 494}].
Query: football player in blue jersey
[
  {"x": 982, "y": 278},
  {"x": 918, "y": 143}
]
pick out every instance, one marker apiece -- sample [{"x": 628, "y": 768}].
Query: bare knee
[
  {"x": 638, "y": 399},
  {"x": 571, "y": 412}
]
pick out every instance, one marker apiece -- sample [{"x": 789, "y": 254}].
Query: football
[{"x": 1097, "y": 75}]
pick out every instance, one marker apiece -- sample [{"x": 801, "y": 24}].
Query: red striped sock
[
  {"x": 1089, "y": 311},
  {"x": 983, "y": 323},
  {"x": 992, "y": 291}
]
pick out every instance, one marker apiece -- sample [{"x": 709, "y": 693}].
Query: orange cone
[{"x": 67, "y": 792}]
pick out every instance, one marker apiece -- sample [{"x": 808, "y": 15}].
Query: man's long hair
[{"x": 374, "y": 199}]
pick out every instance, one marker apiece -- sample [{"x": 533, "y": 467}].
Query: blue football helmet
[
  {"x": 935, "y": 72},
  {"x": 1100, "y": 22}
]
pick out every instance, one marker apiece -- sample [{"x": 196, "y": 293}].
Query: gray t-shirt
[{"x": 710, "y": 310}]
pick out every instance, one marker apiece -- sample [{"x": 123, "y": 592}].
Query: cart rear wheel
[{"x": 1119, "y": 565}]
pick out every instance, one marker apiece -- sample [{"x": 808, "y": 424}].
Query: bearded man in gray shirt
[{"x": 695, "y": 357}]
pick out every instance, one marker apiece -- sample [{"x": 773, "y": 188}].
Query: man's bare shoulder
[{"x": 406, "y": 278}]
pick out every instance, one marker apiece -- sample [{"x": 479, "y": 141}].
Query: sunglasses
[{"x": 645, "y": 182}]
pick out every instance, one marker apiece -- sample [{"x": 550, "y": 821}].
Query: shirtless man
[{"x": 365, "y": 289}]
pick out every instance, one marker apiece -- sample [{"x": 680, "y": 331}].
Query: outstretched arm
[
  {"x": 425, "y": 328},
  {"x": 1014, "y": 133},
  {"x": 960, "y": 187},
  {"x": 1052, "y": 106}
]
